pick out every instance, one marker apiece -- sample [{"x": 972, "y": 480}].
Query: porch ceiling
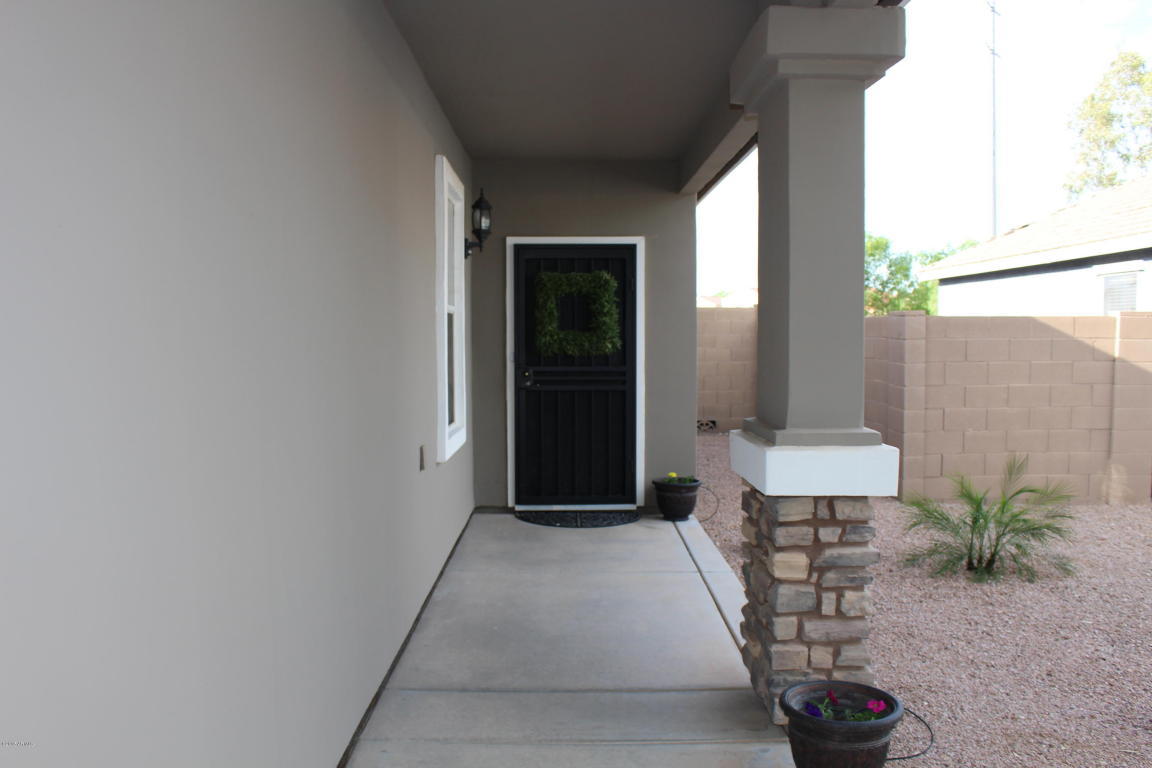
[{"x": 596, "y": 78}]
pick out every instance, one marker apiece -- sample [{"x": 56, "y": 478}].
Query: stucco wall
[
  {"x": 592, "y": 198},
  {"x": 1077, "y": 290},
  {"x": 216, "y": 287}
]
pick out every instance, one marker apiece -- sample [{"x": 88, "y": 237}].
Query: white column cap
[{"x": 825, "y": 470}]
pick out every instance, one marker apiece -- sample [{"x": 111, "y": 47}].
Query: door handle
[{"x": 525, "y": 379}]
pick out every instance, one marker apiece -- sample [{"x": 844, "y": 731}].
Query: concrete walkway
[{"x": 575, "y": 648}]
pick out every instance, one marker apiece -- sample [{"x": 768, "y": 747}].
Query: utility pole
[{"x": 995, "y": 55}]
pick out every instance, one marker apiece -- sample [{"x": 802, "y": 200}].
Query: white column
[{"x": 803, "y": 72}]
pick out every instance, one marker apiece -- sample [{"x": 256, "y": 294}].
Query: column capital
[{"x": 838, "y": 43}]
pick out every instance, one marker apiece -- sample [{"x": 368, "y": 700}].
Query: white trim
[
  {"x": 510, "y": 363},
  {"x": 581, "y": 507},
  {"x": 641, "y": 390},
  {"x": 815, "y": 470},
  {"x": 1036, "y": 258},
  {"x": 510, "y": 369},
  {"x": 450, "y": 297},
  {"x": 1119, "y": 267}
]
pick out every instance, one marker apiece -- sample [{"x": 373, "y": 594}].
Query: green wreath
[{"x": 599, "y": 292}]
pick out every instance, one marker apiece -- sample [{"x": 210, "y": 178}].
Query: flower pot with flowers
[
  {"x": 838, "y": 724},
  {"x": 676, "y": 495}
]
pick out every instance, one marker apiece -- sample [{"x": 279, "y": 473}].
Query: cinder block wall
[
  {"x": 726, "y": 365},
  {"x": 894, "y": 388},
  {"x": 958, "y": 395}
]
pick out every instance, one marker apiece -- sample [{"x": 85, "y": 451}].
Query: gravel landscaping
[{"x": 1010, "y": 674}]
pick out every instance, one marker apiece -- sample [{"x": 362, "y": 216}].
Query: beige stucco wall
[
  {"x": 217, "y": 230},
  {"x": 592, "y": 198}
]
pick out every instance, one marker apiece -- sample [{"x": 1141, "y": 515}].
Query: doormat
[{"x": 579, "y": 519}]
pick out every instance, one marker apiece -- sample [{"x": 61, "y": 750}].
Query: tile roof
[{"x": 1111, "y": 221}]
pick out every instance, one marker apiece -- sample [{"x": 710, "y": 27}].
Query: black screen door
[{"x": 575, "y": 414}]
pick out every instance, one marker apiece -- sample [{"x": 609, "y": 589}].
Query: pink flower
[
  {"x": 876, "y": 705},
  {"x": 832, "y": 698}
]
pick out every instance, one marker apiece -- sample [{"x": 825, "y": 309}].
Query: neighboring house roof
[{"x": 1112, "y": 221}]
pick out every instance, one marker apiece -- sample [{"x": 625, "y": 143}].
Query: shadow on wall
[{"x": 957, "y": 395}]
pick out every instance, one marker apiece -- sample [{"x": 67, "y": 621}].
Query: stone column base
[{"x": 805, "y": 567}]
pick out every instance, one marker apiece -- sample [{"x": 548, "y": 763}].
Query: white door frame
[{"x": 510, "y": 372}]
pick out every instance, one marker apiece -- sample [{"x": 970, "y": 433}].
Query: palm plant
[{"x": 983, "y": 534}]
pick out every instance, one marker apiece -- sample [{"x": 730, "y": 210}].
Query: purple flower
[
  {"x": 812, "y": 709},
  {"x": 876, "y": 706}
]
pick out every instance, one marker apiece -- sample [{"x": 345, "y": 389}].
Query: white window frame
[{"x": 451, "y": 428}]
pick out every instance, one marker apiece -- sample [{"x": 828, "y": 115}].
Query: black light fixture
[{"x": 481, "y": 224}]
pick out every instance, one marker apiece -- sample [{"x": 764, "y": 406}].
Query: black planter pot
[
  {"x": 820, "y": 743},
  {"x": 676, "y": 500}
]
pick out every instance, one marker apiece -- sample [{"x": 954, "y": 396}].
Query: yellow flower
[{"x": 671, "y": 474}]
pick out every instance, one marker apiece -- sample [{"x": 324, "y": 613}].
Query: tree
[
  {"x": 1114, "y": 128},
  {"x": 890, "y": 283}
]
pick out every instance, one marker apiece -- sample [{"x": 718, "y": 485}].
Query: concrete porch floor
[{"x": 575, "y": 648}]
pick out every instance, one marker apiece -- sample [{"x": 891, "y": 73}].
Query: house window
[
  {"x": 451, "y": 320},
  {"x": 1120, "y": 292}
]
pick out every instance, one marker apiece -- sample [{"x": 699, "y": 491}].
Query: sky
[{"x": 929, "y": 127}]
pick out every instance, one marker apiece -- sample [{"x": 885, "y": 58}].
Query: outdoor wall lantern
[{"x": 481, "y": 224}]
